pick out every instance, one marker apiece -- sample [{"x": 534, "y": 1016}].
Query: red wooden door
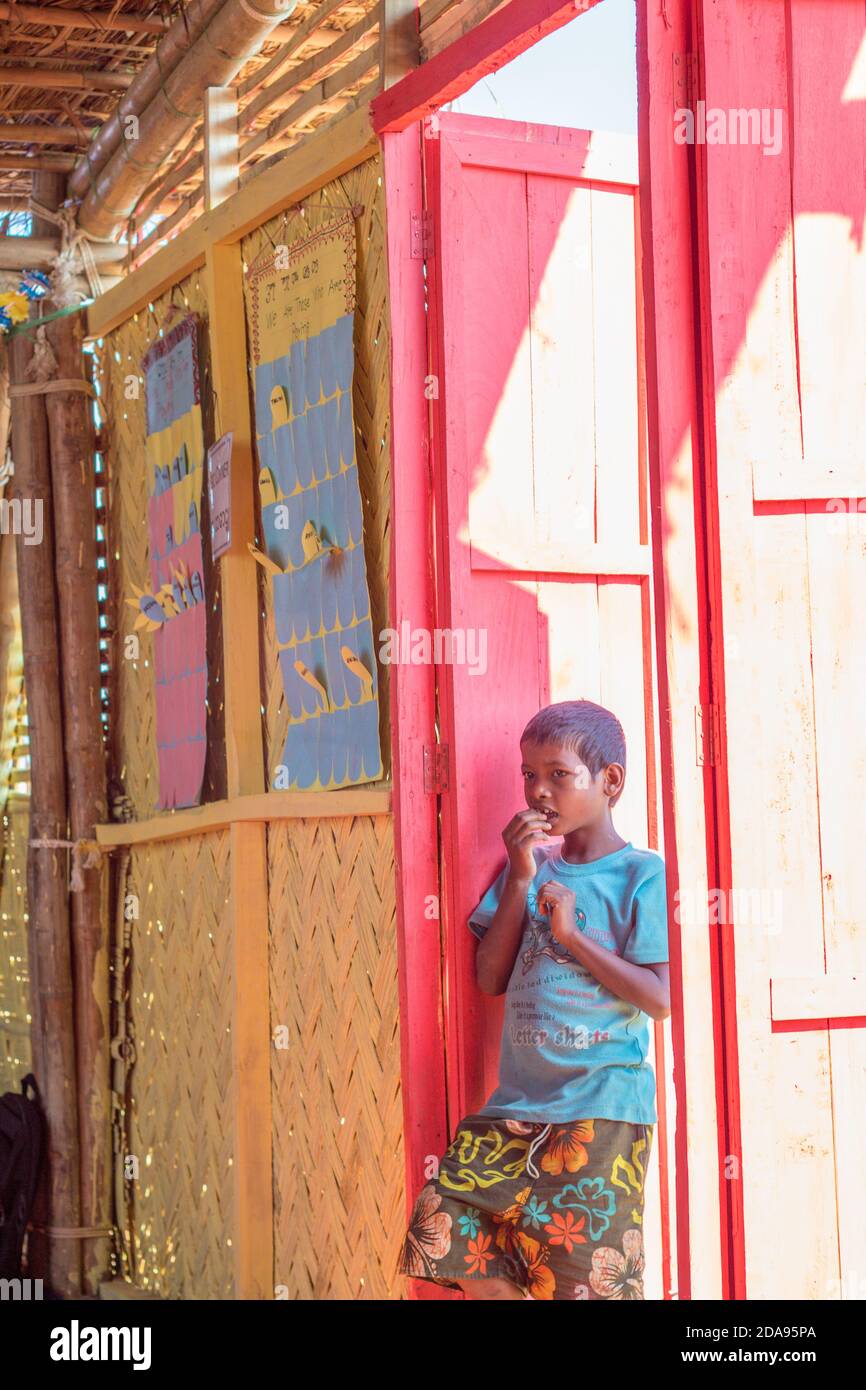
[
  {"x": 783, "y": 285},
  {"x": 543, "y": 553}
]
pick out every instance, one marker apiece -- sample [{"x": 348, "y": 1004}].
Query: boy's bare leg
[{"x": 488, "y": 1289}]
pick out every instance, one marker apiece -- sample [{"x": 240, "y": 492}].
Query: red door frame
[{"x": 669, "y": 253}]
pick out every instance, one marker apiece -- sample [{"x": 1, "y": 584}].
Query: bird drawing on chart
[
  {"x": 311, "y": 541},
  {"x": 264, "y": 560},
  {"x": 279, "y": 407},
  {"x": 313, "y": 548},
  {"x": 306, "y": 675},
  {"x": 267, "y": 488},
  {"x": 357, "y": 667}
]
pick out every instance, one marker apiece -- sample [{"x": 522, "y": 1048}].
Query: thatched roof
[{"x": 311, "y": 67}]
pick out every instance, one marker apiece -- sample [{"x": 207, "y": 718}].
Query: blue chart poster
[{"x": 302, "y": 302}]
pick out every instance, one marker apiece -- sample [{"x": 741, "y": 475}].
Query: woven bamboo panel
[
  {"x": 371, "y": 406},
  {"x": 15, "y": 1055},
  {"x": 132, "y": 697},
  {"x": 338, "y": 1123},
  {"x": 181, "y": 1084}
]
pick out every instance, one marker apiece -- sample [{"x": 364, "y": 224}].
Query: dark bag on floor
[{"x": 21, "y": 1149}]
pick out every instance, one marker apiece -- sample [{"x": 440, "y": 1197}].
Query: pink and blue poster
[{"x": 175, "y": 608}]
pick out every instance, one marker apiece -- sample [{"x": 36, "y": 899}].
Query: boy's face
[{"x": 557, "y": 782}]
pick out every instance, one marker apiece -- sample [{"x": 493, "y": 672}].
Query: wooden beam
[
  {"x": 446, "y": 28},
  {"x": 266, "y": 806},
  {"x": 221, "y": 168},
  {"x": 563, "y": 554},
  {"x": 59, "y": 77},
  {"x": 501, "y": 37},
  {"x": 53, "y": 17},
  {"x": 666, "y": 251},
  {"x": 316, "y": 96},
  {"x": 52, "y": 164},
  {"x": 224, "y": 282},
  {"x": 412, "y": 693},
  {"x": 44, "y": 135},
  {"x": 317, "y": 160},
  {"x": 311, "y": 68},
  {"x": 295, "y": 38},
  {"x": 252, "y": 1123},
  {"x": 799, "y": 997}
]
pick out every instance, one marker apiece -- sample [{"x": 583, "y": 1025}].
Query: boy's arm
[
  {"x": 647, "y": 986},
  {"x": 495, "y": 954}
]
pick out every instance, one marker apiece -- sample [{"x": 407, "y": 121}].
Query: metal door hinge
[
  {"x": 420, "y": 236},
  {"x": 707, "y": 735},
  {"x": 685, "y": 80},
  {"x": 435, "y": 767}
]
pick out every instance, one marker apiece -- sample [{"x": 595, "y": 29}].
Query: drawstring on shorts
[{"x": 539, "y": 1139}]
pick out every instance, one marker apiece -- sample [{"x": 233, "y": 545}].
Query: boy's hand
[
  {"x": 560, "y": 905},
  {"x": 528, "y": 828}
]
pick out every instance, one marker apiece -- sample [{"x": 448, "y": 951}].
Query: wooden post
[
  {"x": 70, "y": 429},
  {"x": 56, "y": 1259},
  {"x": 399, "y": 40},
  {"x": 221, "y": 170},
  {"x": 252, "y": 1237},
  {"x": 413, "y": 695}
]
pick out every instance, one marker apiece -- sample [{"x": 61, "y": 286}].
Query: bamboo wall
[
  {"x": 181, "y": 1084},
  {"x": 337, "y": 1152}
]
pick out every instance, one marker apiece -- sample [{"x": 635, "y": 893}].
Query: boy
[{"x": 540, "y": 1194}]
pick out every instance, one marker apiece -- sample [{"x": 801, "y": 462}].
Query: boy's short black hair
[{"x": 589, "y": 730}]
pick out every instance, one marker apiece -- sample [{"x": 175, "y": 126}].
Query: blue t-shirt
[{"x": 571, "y": 1049}]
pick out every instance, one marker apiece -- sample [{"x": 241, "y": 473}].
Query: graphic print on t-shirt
[{"x": 542, "y": 942}]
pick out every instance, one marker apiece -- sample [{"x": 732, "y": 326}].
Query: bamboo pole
[
  {"x": 236, "y": 32},
  {"x": 52, "y": 16},
  {"x": 176, "y": 41},
  {"x": 40, "y": 252},
  {"x": 49, "y": 163},
  {"x": 60, "y": 77},
  {"x": 58, "y": 1260},
  {"x": 20, "y": 134},
  {"x": 70, "y": 430}
]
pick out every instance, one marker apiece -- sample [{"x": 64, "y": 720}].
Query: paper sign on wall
[
  {"x": 219, "y": 476},
  {"x": 301, "y": 306},
  {"x": 175, "y": 609}
]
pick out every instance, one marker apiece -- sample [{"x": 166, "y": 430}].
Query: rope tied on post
[
  {"x": 74, "y": 246},
  {"x": 86, "y": 854}
]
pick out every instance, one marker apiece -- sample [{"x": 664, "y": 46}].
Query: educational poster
[
  {"x": 301, "y": 304},
  {"x": 175, "y": 609}
]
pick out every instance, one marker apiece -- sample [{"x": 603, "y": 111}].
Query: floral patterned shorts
[{"x": 557, "y": 1209}]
